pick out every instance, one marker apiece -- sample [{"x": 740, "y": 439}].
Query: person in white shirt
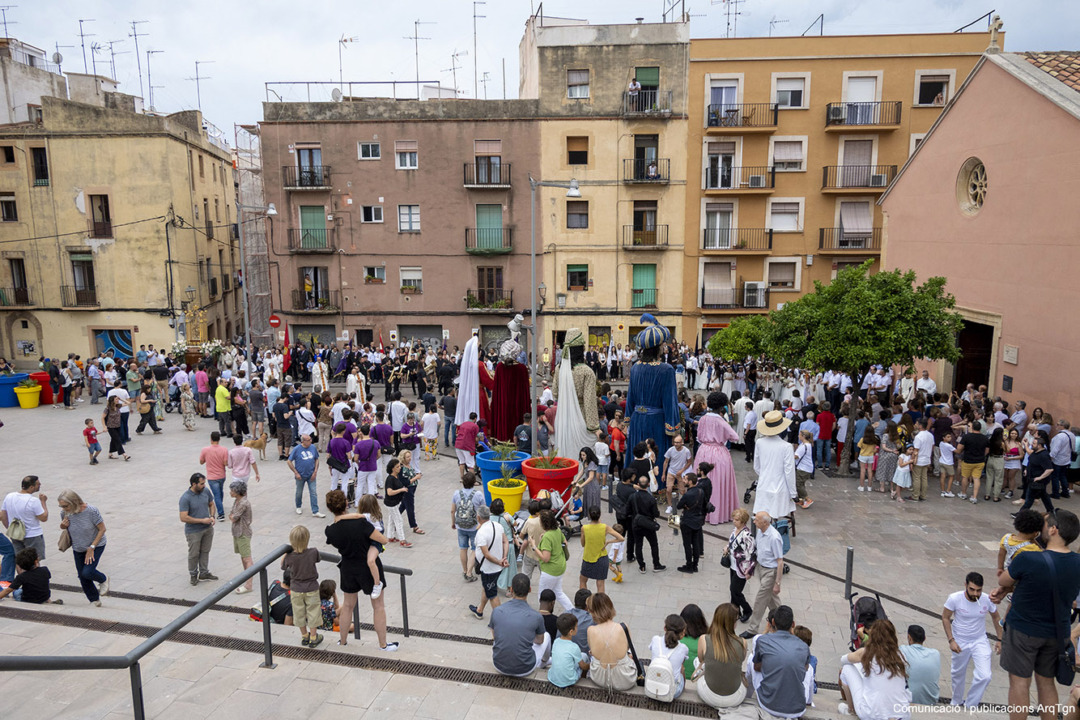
[
  {"x": 924, "y": 443},
  {"x": 947, "y": 464},
  {"x": 749, "y": 427},
  {"x": 964, "y": 620},
  {"x": 676, "y": 464},
  {"x": 492, "y": 547},
  {"x": 546, "y": 397},
  {"x": 23, "y": 506},
  {"x": 430, "y": 424},
  {"x": 926, "y": 384}
]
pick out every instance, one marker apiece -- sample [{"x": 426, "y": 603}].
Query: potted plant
[
  {"x": 408, "y": 290},
  {"x": 29, "y": 393},
  {"x": 508, "y": 487},
  {"x": 372, "y": 280},
  {"x": 493, "y": 464},
  {"x": 549, "y": 472}
]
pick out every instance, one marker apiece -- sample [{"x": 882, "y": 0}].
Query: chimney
[{"x": 640, "y": 20}]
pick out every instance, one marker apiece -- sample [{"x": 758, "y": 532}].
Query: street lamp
[
  {"x": 270, "y": 211},
  {"x": 190, "y": 293},
  {"x": 572, "y": 191}
]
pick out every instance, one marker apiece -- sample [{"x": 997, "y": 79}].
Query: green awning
[{"x": 648, "y": 76}]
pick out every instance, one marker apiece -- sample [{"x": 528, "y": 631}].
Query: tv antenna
[
  {"x": 149, "y": 79},
  {"x": 475, "y": 55},
  {"x": 669, "y": 9},
  {"x": 454, "y": 67},
  {"x": 57, "y": 58},
  {"x": 415, "y": 37},
  {"x": 82, "y": 41},
  {"x": 198, "y": 79},
  {"x": 3, "y": 14},
  {"x": 138, "y": 60},
  {"x": 95, "y": 48},
  {"x": 484, "y": 79},
  {"x": 732, "y": 13},
  {"x": 113, "y": 54},
  {"x": 340, "y": 46},
  {"x": 773, "y": 23},
  {"x": 819, "y": 19}
]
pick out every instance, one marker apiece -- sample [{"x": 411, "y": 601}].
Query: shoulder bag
[
  {"x": 633, "y": 653},
  {"x": 64, "y": 544},
  {"x": 1066, "y": 659}
]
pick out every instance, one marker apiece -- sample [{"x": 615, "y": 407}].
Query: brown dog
[{"x": 259, "y": 444}]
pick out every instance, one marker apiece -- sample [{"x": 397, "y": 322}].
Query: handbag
[
  {"x": 633, "y": 653},
  {"x": 1066, "y": 658},
  {"x": 335, "y": 464},
  {"x": 64, "y": 544}
]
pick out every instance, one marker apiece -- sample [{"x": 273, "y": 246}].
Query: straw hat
[{"x": 773, "y": 423}]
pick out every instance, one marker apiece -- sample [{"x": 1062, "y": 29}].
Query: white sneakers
[
  {"x": 862, "y": 489},
  {"x": 843, "y": 709},
  {"x": 947, "y": 494},
  {"x": 376, "y": 591},
  {"x": 299, "y": 511},
  {"x": 318, "y": 514}
]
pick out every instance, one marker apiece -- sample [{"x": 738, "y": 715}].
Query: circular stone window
[{"x": 971, "y": 186}]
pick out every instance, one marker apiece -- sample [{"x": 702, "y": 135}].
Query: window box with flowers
[
  {"x": 372, "y": 280},
  {"x": 410, "y": 290}
]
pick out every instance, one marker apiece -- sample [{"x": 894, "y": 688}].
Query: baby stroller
[
  {"x": 173, "y": 401},
  {"x": 571, "y": 512},
  {"x": 864, "y": 612}
]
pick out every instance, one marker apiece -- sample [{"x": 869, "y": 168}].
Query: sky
[{"x": 245, "y": 45}]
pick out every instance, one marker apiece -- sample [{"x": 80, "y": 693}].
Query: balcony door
[
  {"x": 313, "y": 227},
  {"x": 718, "y": 290},
  {"x": 489, "y": 285},
  {"x": 723, "y": 109},
  {"x": 643, "y": 292},
  {"x": 856, "y": 168},
  {"x": 315, "y": 283},
  {"x": 82, "y": 272},
  {"x": 856, "y": 225},
  {"x": 720, "y": 168},
  {"x": 645, "y": 222},
  {"x": 489, "y": 227},
  {"x": 488, "y": 161},
  {"x": 718, "y": 230},
  {"x": 861, "y": 97},
  {"x": 646, "y": 152},
  {"x": 309, "y": 160},
  {"x": 18, "y": 281}
]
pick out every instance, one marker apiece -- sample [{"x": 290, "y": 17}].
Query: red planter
[
  {"x": 46, "y": 389},
  {"x": 555, "y": 480}
]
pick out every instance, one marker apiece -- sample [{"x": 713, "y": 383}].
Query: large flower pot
[
  {"x": 491, "y": 469},
  {"x": 555, "y": 480},
  {"x": 29, "y": 397},
  {"x": 7, "y": 388},
  {"x": 511, "y": 497},
  {"x": 46, "y": 387}
]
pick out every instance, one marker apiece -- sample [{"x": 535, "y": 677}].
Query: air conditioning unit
[
  {"x": 757, "y": 181},
  {"x": 878, "y": 180},
  {"x": 754, "y": 295},
  {"x": 837, "y": 113}
]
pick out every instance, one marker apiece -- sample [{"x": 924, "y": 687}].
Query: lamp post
[
  {"x": 270, "y": 211},
  {"x": 572, "y": 191}
]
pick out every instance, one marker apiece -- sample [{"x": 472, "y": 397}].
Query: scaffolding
[{"x": 250, "y": 195}]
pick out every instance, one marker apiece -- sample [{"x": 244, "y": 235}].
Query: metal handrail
[{"x": 15, "y": 663}]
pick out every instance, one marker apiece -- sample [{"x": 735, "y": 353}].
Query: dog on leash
[{"x": 259, "y": 444}]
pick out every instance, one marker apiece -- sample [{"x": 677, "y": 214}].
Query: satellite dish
[
  {"x": 57, "y": 58},
  {"x": 336, "y": 95}
]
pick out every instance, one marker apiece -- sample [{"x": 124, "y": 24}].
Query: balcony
[
  {"x": 319, "y": 301},
  {"x": 750, "y": 180},
  {"x": 15, "y": 297},
  {"x": 75, "y": 296},
  {"x": 213, "y": 287},
  {"x": 643, "y": 298},
  {"x": 742, "y": 240},
  {"x": 311, "y": 240},
  {"x": 482, "y": 176},
  {"x": 741, "y": 118},
  {"x": 655, "y": 238},
  {"x": 650, "y": 102},
  {"x": 489, "y": 241},
  {"x": 101, "y": 229},
  {"x": 751, "y": 296},
  {"x": 309, "y": 177},
  {"x": 838, "y": 179},
  {"x": 862, "y": 116},
  {"x": 497, "y": 300},
  {"x": 656, "y": 172},
  {"x": 842, "y": 241}
]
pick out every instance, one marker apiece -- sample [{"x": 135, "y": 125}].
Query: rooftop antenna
[
  {"x": 773, "y": 23},
  {"x": 454, "y": 66},
  {"x": 3, "y": 13},
  {"x": 484, "y": 79},
  {"x": 95, "y": 48},
  {"x": 340, "y": 72},
  {"x": 149, "y": 80},
  {"x": 732, "y": 13},
  {"x": 415, "y": 37},
  {"x": 57, "y": 58},
  {"x": 82, "y": 41},
  {"x": 198, "y": 78},
  {"x": 669, "y": 9},
  {"x": 138, "y": 60},
  {"x": 113, "y": 54},
  {"x": 819, "y": 19},
  {"x": 475, "y": 56}
]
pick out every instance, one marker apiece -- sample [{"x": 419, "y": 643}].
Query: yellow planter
[
  {"x": 29, "y": 398},
  {"x": 511, "y": 497}
]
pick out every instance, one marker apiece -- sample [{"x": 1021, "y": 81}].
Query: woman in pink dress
[{"x": 713, "y": 434}]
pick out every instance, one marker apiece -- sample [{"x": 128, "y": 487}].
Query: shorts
[
  {"x": 490, "y": 583},
  {"x": 466, "y": 539},
  {"x": 950, "y": 470},
  {"x": 202, "y": 397},
  {"x": 604, "y": 468},
  {"x": 242, "y": 546},
  {"x": 94, "y": 448},
  {"x": 306, "y": 609},
  {"x": 971, "y": 470},
  {"x": 466, "y": 458},
  {"x": 866, "y": 459},
  {"x": 1021, "y": 654}
]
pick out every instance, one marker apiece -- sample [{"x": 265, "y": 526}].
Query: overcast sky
[{"x": 248, "y": 44}]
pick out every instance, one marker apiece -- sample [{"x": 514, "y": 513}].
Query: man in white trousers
[{"x": 964, "y": 619}]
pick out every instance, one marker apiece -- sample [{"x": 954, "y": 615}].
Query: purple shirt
[
  {"x": 384, "y": 434},
  {"x": 367, "y": 455},
  {"x": 413, "y": 441},
  {"x": 350, "y": 433},
  {"x": 339, "y": 448}
]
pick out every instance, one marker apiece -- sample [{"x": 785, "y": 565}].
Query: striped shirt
[{"x": 83, "y": 528}]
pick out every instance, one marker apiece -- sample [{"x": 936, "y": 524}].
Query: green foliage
[
  {"x": 28, "y": 383},
  {"x": 504, "y": 450},
  {"x": 744, "y": 337}
]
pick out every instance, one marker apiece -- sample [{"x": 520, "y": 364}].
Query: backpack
[
  {"x": 16, "y": 530},
  {"x": 660, "y": 678},
  {"x": 465, "y": 510}
]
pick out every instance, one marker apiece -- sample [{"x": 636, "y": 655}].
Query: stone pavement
[{"x": 917, "y": 553}]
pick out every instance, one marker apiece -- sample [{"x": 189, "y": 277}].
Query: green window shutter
[
  {"x": 312, "y": 226},
  {"x": 489, "y": 227},
  {"x": 648, "y": 76},
  {"x": 577, "y": 268},
  {"x": 644, "y": 277}
]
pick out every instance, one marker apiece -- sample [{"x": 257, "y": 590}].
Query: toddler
[
  {"x": 304, "y": 585},
  {"x": 617, "y": 552},
  {"x": 603, "y": 456},
  {"x": 328, "y": 602},
  {"x": 370, "y": 510},
  {"x": 91, "y": 441},
  {"x": 901, "y": 478},
  {"x": 947, "y": 464},
  {"x": 31, "y": 585},
  {"x": 810, "y": 681}
]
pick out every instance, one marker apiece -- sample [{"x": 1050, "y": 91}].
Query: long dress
[
  {"x": 728, "y": 386},
  {"x": 571, "y": 433},
  {"x": 774, "y": 463},
  {"x": 652, "y": 407},
  {"x": 511, "y": 569},
  {"x": 187, "y": 408},
  {"x": 887, "y": 461},
  {"x": 509, "y": 400},
  {"x": 713, "y": 433},
  {"x": 740, "y": 382}
]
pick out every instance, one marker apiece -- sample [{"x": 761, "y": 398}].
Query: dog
[{"x": 259, "y": 444}]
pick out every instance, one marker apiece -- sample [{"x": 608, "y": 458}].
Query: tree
[
  {"x": 744, "y": 337},
  {"x": 859, "y": 320}
]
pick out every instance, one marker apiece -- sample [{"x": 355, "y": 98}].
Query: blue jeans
[
  {"x": 310, "y": 482},
  {"x": 7, "y": 559},
  {"x": 217, "y": 487},
  {"x": 1059, "y": 481},
  {"x": 89, "y": 574},
  {"x": 450, "y": 433},
  {"x": 823, "y": 451},
  {"x": 125, "y": 432}
]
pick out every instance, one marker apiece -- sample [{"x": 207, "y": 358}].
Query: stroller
[
  {"x": 173, "y": 401},
  {"x": 571, "y": 512},
  {"x": 864, "y": 612}
]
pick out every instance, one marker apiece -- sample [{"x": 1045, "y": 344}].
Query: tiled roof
[{"x": 1064, "y": 66}]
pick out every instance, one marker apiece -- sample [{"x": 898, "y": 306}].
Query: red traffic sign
[{"x": 275, "y": 321}]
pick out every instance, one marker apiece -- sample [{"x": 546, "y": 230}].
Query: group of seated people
[{"x": 878, "y": 681}]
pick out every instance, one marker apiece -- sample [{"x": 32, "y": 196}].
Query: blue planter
[
  {"x": 491, "y": 469},
  {"x": 7, "y": 390}
]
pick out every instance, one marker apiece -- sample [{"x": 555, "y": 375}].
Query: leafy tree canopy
[{"x": 744, "y": 337}]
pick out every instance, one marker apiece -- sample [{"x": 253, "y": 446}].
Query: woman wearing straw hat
[{"x": 774, "y": 463}]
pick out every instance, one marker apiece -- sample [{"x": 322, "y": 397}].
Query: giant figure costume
[
  {"x": 652, "y": 406},
  {"x": 510, "y": 398},
  {"x": 576, "y": 415}
]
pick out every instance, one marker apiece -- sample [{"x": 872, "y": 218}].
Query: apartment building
[{"x": 792, "y": 140}]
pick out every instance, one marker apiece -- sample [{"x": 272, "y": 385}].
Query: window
[
  {"x": 577, "y": 84},
  {"x": 369, "y": 151},
  {"x": 784, "y": 217},
  {"x": 82, "y": 271},
  {"x": 371, "y": 214},
  {"x": 489, "y": 285},
  {"x": 782, "y": 274},
  {"x": 648, "y": 77},
  {"x": 720, "y": 173},
  {"x": 202, "y": 170},
  {"x": 577, "y": 151},
  {"x": 577, "y": 213},
  {"x": 856, "y": 225},
  {"x": 643, "y": 289},
  {"x": 40, "y": 160},
  {"x": 315, "y": 284},
  {"x": 933, "y": 90},
  {"x": 412, "y": 277},
  {"x": 35, "y": 113},
  {"x": 407, "y": 154},
  {"x": 9, "y": 154},
  {"x": 408, "y": 218},
  {"x": 217, "y": 210},
  {"x": 18, "y": 273},
  {"x": 789, "y": 92},
  {"x": 8, "y": 211},
  {"x": 577, "y": 277},
  {"x": 375, "y": 272},
  {"x": 100, "y": 217},
  {"x": 213, "y": 172},
  {"x": 718, "y": 226},
  {"x": 488, "y": 155},
  {"x": 788, "y": 155},
  {"x": 206, "y": 219}
]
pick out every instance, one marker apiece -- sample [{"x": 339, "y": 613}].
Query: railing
[
  {"x": 650, "y": 101},
  {"x": 654, "y": 238},
  {"x": 74, "y": 296},
  {"x": 308, "y": 177},
  {"x": 130, "y": 661},
  {"x": 636, "y": 170},
  {"x": 101, "y": 229},
  {"x": 311, "y": 240},
  {"x": 740, "y": 178},
  {"x": 863, "y": 113},
  {"x": 857, "y": 176},
  {"x": 737, "y": 239},
  {"x": 844, "y": 239},
  {"x": 316, "y": 301},
  {"x": 487, "y": 175},
  {"x": 489, "y": 299},
  {"x": 489, "y": 241},
  {"x": 755, "y": 297},
  {"x": 213, "y": 287},
  {"x": 643, "y": 298},
  {"x": 743, "y": 115},
  {"x": 15, "y": 296}
]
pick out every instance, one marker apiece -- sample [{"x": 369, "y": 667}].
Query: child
[
  {"x": 810, "y": 681},
  {"x": 901, "y": 479},
  {"x": 617, "y": 552},
  {"x": 567, "y": 659},
  {"x": 603, "y": 456},
  {"x": 947, "y": 463},
  {"x": 804, "y": 467},
  {"x": 369, "y": 509},
  {"x": 31, "y": 585},
  {"x": 328, "y": 603},
  {"x": 240, "y": 517},
  {"x": 867, "y": 449},
  {"x": 304, "y": 585},
  {"x": 1027, "y": 527},
  {"x": 668, "y": 646},
  {"x": 547, "y": 611},
  {"x": 430, "y": 423},
  {"x": 91, "y": 441}
]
